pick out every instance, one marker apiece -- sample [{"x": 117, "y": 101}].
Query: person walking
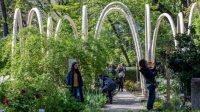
[
  {"x": 75, "y": 82},
  {"x": 149, "y": 75},
  {"x": 121, "y": 75}
]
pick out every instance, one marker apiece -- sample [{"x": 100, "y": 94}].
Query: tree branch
[
  {"x": 4, "y": 14},
  {"x": 121, "y": 45}
]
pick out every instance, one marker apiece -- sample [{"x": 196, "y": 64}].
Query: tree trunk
[
  {"x": 4, "y": 14},
  {"x": 121, "y": 45},
  {"x": 81, "y": 2},
  {"x": 186, "y": 3}
]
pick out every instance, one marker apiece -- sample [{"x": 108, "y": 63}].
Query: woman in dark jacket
[
  {"x": 149, "y": 75},
  {"x": 75, "y": 81}
]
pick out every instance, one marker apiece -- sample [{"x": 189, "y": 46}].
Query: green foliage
[
  {"x": 131, "y": 86},
  {"x": 174, "y": 87},
  {"x": 184, "y": 60},
  {"x": 95, "y": 100},
  {"x": 39, "y": 69}
]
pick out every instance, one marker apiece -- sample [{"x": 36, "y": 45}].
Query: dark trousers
[
  {"x": 77, "y": 93},
  {"x": 110, "y": 95},
  {"x": 152, "y": 96},
  {"x": 121, "y": 84}
]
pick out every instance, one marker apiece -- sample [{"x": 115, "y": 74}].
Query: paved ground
[{"x": 124, "y": 102}]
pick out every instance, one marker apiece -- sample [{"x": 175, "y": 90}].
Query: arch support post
[{"x": 84, "y": 23}]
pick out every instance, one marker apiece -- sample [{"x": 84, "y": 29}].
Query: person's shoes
[
  {"x": 110, "y": 101},
  {"x": 153, "y": 109}
]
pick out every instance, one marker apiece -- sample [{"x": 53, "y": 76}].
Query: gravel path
[{"x": 124, "y": 102}]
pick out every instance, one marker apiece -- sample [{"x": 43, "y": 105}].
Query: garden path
[{"x": 125, "y": 102}]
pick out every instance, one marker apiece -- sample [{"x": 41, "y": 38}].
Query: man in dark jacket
[
  {"x": 149, "y": 75},
  {"x": 107, "y": 86},
  {"x": 75, "y": 81}
]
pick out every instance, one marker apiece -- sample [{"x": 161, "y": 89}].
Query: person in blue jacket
[
  {"x": 107, "y": 86},
  {"x": 75, "y": 82}
]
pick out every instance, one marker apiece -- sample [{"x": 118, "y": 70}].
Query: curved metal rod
[
  {"x": 84, "y": 22},
  {"x": 134, "y": 33},
  {"x": 68, "y": 18},
  {"x": 173, "y": 28},
  {"x": 123, "y": 6},
  {"x": 49, "y": 27},
  {"x": 131, "y": 25},
  {"x": 39, "y": 17},
  {"x": 194, "y": 6},
  {"x": 59, "y": 25},
  {"x": 16, "y": 23},
  {"x": 180, "y": 23},
  {"x": 58, "y": 28},
  {"x": 147, "y": 33}
]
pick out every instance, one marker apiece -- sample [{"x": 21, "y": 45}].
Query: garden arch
[
  {"x": 17, "y": 25},
  {"x": 106, "y": 11},
  {"x": 194, "y": 6},
  {"x": 49, "y": 27},
  {"x": 17, "y": 22},
  {"x": 84, "y": 22},
  {"x": 173, "y": 28},
  {"x": 180, "y": 23},
  {"x": 73, "y": 25},
  {"x": 39, "y": 17},
  {"x": 147, "y": 32}
]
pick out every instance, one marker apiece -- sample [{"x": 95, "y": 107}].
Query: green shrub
[{"x": 131, "y": 86}]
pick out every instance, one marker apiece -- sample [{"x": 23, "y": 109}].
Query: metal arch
[
  {"x": 68, "y": 18},
  {"x": 58, "y": 28},
  {"x": 123, "y": 6},
  {"x": 84, "y": 22},
  {"x": 147, "y": 33},
  {"x": 39, "y": 17},
  {"x": 16, "y": 23},
  {"x": 160, "y": 18},
  {"x": 180, "y": 23},
  {"x": 194, "y": 6},
  {"x": 132, "y": 27},
  {"x": 49, "y": 27},
  {"x": 135, "y": 35},
  {"x": 59, "y": 25}
]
